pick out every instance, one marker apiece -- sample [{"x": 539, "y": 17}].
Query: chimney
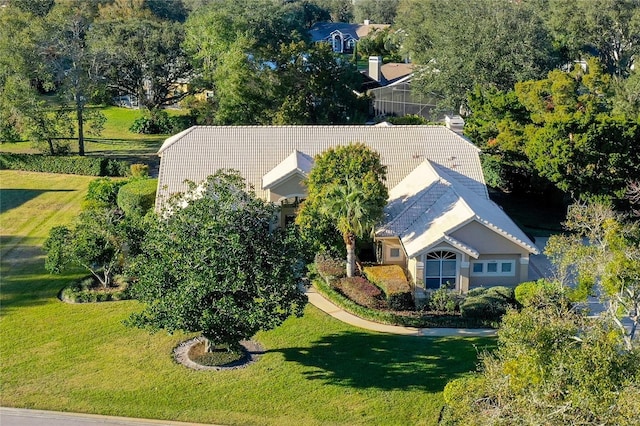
[
  {"x": 455, "y": 123},
  {"x": 375, "y": 68}
]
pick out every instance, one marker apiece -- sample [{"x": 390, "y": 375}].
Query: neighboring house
[
  {"x": 380, "y": 74},
  {"x": 342, "y": 36},
  {"x": 439, "y": 224}
]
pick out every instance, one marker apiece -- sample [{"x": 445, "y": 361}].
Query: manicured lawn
[
  {"x": 81, "y": 358},
  {"x": 114, "y": 139}
]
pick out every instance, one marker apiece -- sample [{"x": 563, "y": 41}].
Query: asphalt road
[{"x": 22, "y": 417}]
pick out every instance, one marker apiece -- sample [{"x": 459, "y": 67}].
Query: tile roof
[
  {"x": 254, "y": 151},
  {"x": 433, "y": 201}
]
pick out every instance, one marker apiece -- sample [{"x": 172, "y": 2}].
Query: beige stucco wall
[
  {"x": 387, "y": 245},
  {"x": 486, "y": 241},
  {"x": 287, "y": 188}
]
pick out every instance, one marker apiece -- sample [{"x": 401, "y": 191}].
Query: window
[
  {"x": 394, "y": 253},
  {"x": 493, "y": 268},
  {"x": 440, "y": 269}
]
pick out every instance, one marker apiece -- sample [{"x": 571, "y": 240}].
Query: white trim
[{"x": 524, "y": 260}]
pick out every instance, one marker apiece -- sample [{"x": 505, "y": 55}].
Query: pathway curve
[{"x": 320, "y": 302}]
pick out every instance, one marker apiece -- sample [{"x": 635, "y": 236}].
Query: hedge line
[
  {"x": 408, "y": 319},
  {"x": 72, "y": 164},
  {"x": 391, "y": 279},
  {"x": 137, "y": 196}
]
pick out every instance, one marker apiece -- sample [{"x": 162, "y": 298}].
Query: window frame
[{"x": 499, "y": 272}]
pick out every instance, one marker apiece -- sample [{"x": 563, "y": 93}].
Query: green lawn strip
[{"x": 316, "y": 370}]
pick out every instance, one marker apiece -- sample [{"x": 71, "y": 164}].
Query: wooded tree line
[{"x": 542, "y": 118}]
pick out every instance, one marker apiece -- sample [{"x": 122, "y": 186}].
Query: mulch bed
[{"x": 253, "y": 351}]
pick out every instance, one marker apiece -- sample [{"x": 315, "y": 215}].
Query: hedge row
[
  {"x": 407, "y": 319},
  {"x": 360, "y": 291},
  {"x": 137, "y": 196},
  {"x": 72, "y": 164},
  {"x": 393, "y": 282}
]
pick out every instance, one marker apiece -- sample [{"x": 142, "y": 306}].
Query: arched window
[
  {"x": 441, "y": 269},
  {"x": 337, "y": 43}
]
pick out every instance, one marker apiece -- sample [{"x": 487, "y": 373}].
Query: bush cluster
[
  {"x": 407, "y": 318},
  {"x": 85, "y": 291},
  {"x": 393, "y": 282},
  {"x": 330, "y": 267},
  {"x": 443, "y": 300},
  {"x": 360, "y": 291},
  {"x": 158, "y": 122},
  {"x": 488, "y": 304},
  {"x": 102, "y": 192},
  {"x": 138, "y": 196},
  {"x": 73, "y": 164}
]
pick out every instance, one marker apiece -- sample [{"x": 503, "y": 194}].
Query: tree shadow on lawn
[
  {"x": 12, "y": 198},
  {"x": 388, "y": 362},
  {"x": 23, "y": 279}
]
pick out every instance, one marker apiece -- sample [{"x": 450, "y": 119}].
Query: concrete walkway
[{"x": 320, "y": 302}]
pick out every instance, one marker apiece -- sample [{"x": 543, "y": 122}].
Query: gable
[{"x": 486, "y": 240}]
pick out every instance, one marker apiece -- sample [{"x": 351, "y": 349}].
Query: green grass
[
  {"x": 81, "y": 358},
  {"x": 114, "y": 139}
]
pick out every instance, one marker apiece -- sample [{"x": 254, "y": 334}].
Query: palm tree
[{"x": 352, "y": 213}]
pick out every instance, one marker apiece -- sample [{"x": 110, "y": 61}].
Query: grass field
[
  {"x": 114, "y": 139},
  {"x": 81, "y": 358}
]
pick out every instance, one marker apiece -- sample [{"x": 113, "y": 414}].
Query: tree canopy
[
  {"x": 353, "y": 169},
  {"x": 213, "y": 263},
  {"x": 460, "y": 45},
  {"x": 562, "y": 128}
]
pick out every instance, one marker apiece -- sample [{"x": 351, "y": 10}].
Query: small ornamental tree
[
  {"x": 332, "y": 169},
  {"x": 98, "y": 242},
  {"x": 213, "y": 262}
]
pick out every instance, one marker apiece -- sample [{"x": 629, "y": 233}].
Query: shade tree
[{"x": 215, "y": 263}]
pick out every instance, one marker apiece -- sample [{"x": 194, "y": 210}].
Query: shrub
[
  {"x": 360, "y": 291},
  {"x": 409, "y": 119},
  {"x": 72, "y": 164},
  {"x": 158, "y": 122},
  {"x": 137, "y": 196},
  {"x": 484, "y": 307},
  {"x": 539, "y": 293},
  {"x": 330, "y": 267},
  {"x": 460, "y": 397},
  {"x": 103, "y": 192},
  {"x": 87, "y": 291},
  {"x": 393, "y": 282},
  {"x": 442, "y": 300},
  {"x": 139, "y": 170}
]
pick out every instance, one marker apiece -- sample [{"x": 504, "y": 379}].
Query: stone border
[{"x": 253, "y": 350}]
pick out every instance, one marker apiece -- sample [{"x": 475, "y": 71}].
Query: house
[
  {"x": 440, "y": 224},
  {"x": 342, "y": 36}
]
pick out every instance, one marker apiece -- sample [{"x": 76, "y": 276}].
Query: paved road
[{"x": 22, "y": 417}]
